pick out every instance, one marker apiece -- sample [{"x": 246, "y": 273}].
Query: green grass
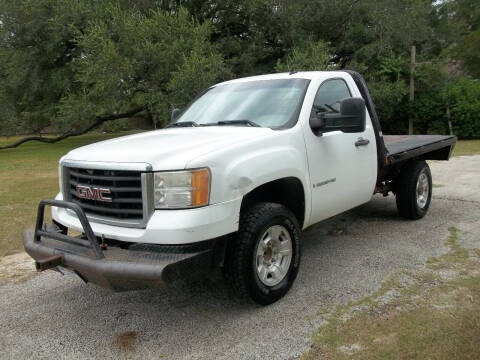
[
  {"x": 28, "y": 174},
  {"x": 467, "y": 147}
]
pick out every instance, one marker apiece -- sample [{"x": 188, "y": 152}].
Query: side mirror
[
  {"x": 175, "y": 113},
  {"x": 351, "y": 118},
  {"x": 317, "y": 123}
]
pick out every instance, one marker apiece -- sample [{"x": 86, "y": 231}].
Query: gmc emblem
[{"x": 87, "y": 192}]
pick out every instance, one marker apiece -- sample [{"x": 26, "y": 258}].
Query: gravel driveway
[{"x": 344, "y": 258}]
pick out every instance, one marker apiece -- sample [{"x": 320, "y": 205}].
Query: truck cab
[{"x": 231, "y": 182}]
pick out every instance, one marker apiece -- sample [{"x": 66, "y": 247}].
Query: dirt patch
[
  {"x": 388, "y": 339},
  {"x": 126, "y": 342},
  {"x": 16, "y": 268}
]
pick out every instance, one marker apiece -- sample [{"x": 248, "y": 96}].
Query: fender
[{"x": 240, "y": 168}]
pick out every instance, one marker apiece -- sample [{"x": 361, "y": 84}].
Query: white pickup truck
[{"x": 231, "y": 182}]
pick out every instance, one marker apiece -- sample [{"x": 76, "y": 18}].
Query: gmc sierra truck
[{"x": 231, "y": 182}]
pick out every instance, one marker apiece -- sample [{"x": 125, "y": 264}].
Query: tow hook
[
  {"x": 103, "y": 246},
  {"x": 49, "y": 262}
]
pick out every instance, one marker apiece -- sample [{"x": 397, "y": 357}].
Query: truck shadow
[
  {"x": 317, "y": 241},
  {"x": 215, "y": 291}
]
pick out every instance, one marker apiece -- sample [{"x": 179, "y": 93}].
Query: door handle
[{"x": 362, "y": 142}]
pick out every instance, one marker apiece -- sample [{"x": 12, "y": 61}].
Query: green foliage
[
  {"x": 312, "y": 56},
  {"x": 459, "y": 27},
  {"x": 469, "y": 52},
  {"x": 36, "y": 53},
  {"x": 116, "y": 126},
  {"x": 392, "y": 67},
  {"x": 463, "y": 98},
  {"x": 195, "y": 73},
  {"x": 465, "y": 94},
  {"x": 129, "y": 59},
  {"x": 67, "y": 62},
  {"x": 389, "y": 99}
]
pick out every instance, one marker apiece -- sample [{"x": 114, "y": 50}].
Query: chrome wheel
[
  {"x": 273, "y": 255},
  {"x": 423, "y": 189}
]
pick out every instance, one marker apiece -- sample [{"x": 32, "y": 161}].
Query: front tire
[
  {"x": 414, "y": 190},
  {"x": 263, "y": 257}
]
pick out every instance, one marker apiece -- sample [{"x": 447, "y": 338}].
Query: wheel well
[{"x": 286, "y": 191}]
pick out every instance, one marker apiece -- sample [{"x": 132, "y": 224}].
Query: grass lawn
[
  {"x": 467, "y": 147},
  {"x": 28, "y": 174}
]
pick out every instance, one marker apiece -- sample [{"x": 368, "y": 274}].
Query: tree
[
  {"x": 37, "y": 51},
  {"x": 76, "y": 63},
  {"x": 309, "y": 56},
  {"x": 120, "y": 62},
  {"x": 129, "y": 59},
  {"x": 464, "y": 93},
  {"x": 457, "y": 27}
]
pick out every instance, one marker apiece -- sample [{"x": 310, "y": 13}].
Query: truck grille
[{"x": 124, "y": 188}]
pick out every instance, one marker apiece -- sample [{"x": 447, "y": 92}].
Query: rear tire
[
  {"x": 263, "y": 257},
  {"x": 414, "y": 190}
]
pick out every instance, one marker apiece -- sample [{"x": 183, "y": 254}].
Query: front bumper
[
  {"x": 139, "y": 266},
  {"x": 167, "y": 227}
]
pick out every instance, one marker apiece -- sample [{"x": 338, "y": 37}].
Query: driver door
[{"x": 342, "y": 173}]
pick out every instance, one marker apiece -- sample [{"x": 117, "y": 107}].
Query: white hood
[{"x": 166, "y": 149}]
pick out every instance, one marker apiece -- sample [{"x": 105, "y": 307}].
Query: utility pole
[
  {"x": 413, "y": 65},
  {"x": 449, "y": 121},
  {"x": 412, "y": 87}
]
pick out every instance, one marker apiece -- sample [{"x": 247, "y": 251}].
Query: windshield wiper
[
  {"x": 237, "y": 122},
  {"x": 332, "y": 108},
  {"x": 220, "y": 123},
  {"x": 183, "y": 124},
  {"x": 319, "y": 109}
]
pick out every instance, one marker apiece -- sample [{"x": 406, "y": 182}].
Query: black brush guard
[{"x": 140, "y": 266}]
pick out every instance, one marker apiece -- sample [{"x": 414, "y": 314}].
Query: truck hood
[{"x": 166, "y": 149}]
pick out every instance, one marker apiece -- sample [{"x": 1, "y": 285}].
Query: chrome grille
[{"x": 125, "y": 191}]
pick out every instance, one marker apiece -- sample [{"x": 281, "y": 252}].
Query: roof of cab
[{"x": 310, "y": 75}]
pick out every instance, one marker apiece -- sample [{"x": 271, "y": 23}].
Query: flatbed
[{"x": 431, "y": 147}]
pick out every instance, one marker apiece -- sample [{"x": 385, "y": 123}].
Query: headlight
[{"x": 182, "y": 189}]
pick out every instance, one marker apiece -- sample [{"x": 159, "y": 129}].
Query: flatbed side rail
[
  {"x": 91, "y": 241},
  {"x": 423, "y": 150}
]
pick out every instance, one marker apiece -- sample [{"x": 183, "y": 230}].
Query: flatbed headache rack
[{"x": 393, "y": 149}]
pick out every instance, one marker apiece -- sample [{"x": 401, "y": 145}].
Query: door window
[{"x": 329, "y": 96}]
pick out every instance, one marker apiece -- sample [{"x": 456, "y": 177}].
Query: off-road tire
[
  {"x": 406, "y": 190},
  {"x": 240, "y": 268}
]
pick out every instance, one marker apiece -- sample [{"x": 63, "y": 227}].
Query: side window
[{"x": 329, "y": 96}]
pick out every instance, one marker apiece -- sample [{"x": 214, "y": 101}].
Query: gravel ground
[{"x": 344, "y": 258}]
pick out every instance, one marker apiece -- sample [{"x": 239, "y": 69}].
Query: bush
[
  {"x": 465, "y": 94},
  {"x": 389, "y": 99},
  {"x": 116, "y": 126},
  {"x": 309, "y": 56}
]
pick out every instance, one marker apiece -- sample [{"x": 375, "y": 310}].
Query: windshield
[{"x": 266, "y": 103}]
